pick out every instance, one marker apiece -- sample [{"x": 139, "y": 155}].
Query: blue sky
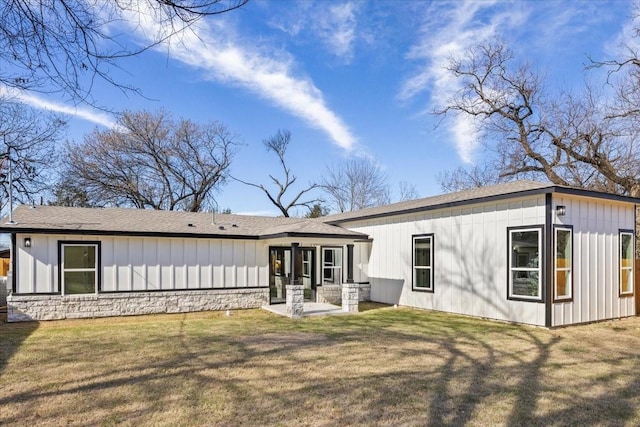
[{"x": 348, "y": 79}]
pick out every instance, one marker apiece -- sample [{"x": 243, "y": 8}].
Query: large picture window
[
  {"x": 79, "y": 273},
  {"x": 423, "y": 263},
  {"x": 525, "y": 253},
  {"x": 626, "y": 263},
  {"x": 563, "y": 261}
]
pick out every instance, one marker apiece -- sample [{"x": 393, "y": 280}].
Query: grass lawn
[{"x": 384, "y": 366}]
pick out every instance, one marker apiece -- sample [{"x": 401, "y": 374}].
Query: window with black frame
[
  {"x": 626, "y": 263},
  {"x": 525, "y": 248},
  {"x": 79, "y": 268},
  {"x": 423, "y": 263}
]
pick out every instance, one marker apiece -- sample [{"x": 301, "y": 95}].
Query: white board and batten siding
[
  {"x": 470, "y": 258},
  {"x": 148, "y": 263},
  {"x": 470, "y": 269},
  {"x": 596, "y": 259},
  {"x": 361, "y": 253}
]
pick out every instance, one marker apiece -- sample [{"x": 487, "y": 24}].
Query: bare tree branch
[
  {"x": 356, "y": 184},
  {"x": 278, "y": 144},
  {"x": 567, "y": 139},
  {"x": 153, "y": 162},
  {"x": 408, "y": 191},
  {"x": 27, "y": 140},
  {"x": 65, "y": 45}
]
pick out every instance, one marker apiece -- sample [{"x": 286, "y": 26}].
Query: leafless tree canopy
[
  {"x": 64, "y": 45},
  {"x": 566, "y": 138},
  {"x": 462, "y": 178},
  {"x": 278, "y": 144},
  {"x": 152, "y": 162},
  {"x": 356, "y": 184},
  {"x": 408, "y": 191},
  {"x": 27, "y": 140}
]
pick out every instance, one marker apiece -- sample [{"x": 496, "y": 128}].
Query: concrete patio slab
[{"x": 310, "y": 309}]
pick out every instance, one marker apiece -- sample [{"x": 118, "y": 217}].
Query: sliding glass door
[{"x": 280, "y": 273}]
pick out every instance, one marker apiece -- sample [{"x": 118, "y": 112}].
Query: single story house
[
  {"x": 82, "y": 262},
  {"x": 522, "y": 251}
]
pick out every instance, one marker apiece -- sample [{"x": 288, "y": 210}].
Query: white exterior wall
[
  {"x": 148, "y": 264},
  {"x": 596, "y": 259},
  {"x": 470, "y": 259},
  {"x": 470, "y": 265},
  {"x": 361, "y": 252}
]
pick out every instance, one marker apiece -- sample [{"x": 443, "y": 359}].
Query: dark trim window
[
  {"x": 306, "y": 262},
  {"x": 563, "y": 263},
  {"x": 626, "y": 262},
  {"x": 79, "y": 267},
  {"x": 422, "y": 262},
  {"x": 332, "y": 265},
  {"x": 525, "y": 268}
]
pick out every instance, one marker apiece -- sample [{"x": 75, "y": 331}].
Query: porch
[{"x": 308, "y": 309}]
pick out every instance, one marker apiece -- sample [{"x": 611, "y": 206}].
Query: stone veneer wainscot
[
  {"x": 332, "y": 294},
  {"x": 51, "y": 307}
]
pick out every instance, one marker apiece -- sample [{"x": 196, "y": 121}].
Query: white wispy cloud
[
  {"x": 333, "y": 26},
  {"x": 532, "y": 29},
  {"x": 269, "y": 74},
  {"x": 626, "y": 42},
  {"x": 27, "y": 98},
  {"x": 458, "y": 27},
  {"x": 337, "y": 28}
]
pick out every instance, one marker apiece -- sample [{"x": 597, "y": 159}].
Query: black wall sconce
[
  {"x": 561, "y": 210},
  {"x": 27, "y": 242}
]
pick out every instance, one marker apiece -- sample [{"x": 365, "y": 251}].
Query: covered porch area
[{"x": 314, "y": 275}]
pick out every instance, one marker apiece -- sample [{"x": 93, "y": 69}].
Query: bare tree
[
  {"x": 561, "y": 137},
  {"x": 27, "y": 145},
  {"x": 151, "y": 161},
  {"x": 67, "y": 193},
  {"x": 463, "y": 178},
  {"x": 408, "y": 191},
  {"x": 356, "y": 184},
  {"x": 64, "y": 45},
  {"x": 278, "y": 144}
]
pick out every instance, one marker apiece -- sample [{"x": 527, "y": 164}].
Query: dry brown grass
[{"x": 382, "y": 367}]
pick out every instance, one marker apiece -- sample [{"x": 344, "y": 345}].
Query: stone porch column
[
  {"x": 295, "y": 301},
  {"x": 295, "y": 291},
  {"x": 350, "y": 297}
]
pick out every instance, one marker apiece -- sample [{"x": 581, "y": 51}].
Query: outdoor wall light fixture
[
  {"x": 561, "y": 210},
  {"x": 27, "y": 242}
]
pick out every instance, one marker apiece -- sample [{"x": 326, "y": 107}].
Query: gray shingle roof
[
  {"x": 473, "y": 195},
  {"x": 151, "y": 222}
]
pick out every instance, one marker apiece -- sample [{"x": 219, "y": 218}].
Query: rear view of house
[{"x": 523, "y": 252}]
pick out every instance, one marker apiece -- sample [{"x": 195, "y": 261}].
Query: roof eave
[
  {"x": 34, "y": 230},
  {"x": 505, "y": 196},
  {"x": 358, "y": 237}
]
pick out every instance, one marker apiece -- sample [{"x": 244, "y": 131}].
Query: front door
[{"x": 280, "y": 273}]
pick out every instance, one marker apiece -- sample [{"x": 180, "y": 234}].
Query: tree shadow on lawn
[
  {"x": 12, "y": 335},
  {"x": 440, "y": 370}
]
